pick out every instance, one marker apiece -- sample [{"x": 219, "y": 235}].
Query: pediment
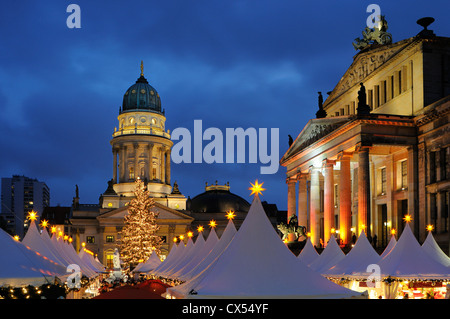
[
  {"x": 165, "y": 213},
  {"x": 364, "y": 64},
  {"x": 313, "y": 131}
]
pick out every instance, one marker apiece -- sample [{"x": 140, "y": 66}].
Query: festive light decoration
[
  {"x": 60, "y": 234},
  {"x": 200, "y": 229},
  {"x": 44, "y": 223},
  {"x": 32, "y": 215},
  {"x": 190, "y": 234},
  {"x": 138, "y": 236},
  {"x": 257, "y": 188},
  {"x": 83, "y": 244},
  {"x": 175, "y": 239},
  {"x": 66, "y": 237},
  {"x": 181, "y": 237},
  {"x": 430, "y": 227},
  {"x": 16, "y": 238},
  {"x": 212, "y": 223},
  {"x": 308, "y": 234},
  {"x": 393, "y": 231},
  {"x": 333, "y": 230},
  {"x": 407, "y": 218},
  {"x": 53, "y": 229},
  {"x": 230, "y": 214}
]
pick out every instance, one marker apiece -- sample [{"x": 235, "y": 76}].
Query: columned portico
[
  {"x": 314, "y": 213},
  {"x": 328, "y": 214},
  {"x": 345, "y": 199},
  {"x": 363, "y": 190}
]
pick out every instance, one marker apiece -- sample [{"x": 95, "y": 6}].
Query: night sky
[{"x": 228, "y": 63}]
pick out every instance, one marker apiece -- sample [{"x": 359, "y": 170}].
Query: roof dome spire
[{"x": 142, "y": 68}]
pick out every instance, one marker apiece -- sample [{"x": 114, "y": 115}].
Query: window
[
  {"x": 383, "y": 181},
  {"x": 383, "y": 92},
  {"x": 443, "y": 163},
  {"x": 109, "y": 238},
  {"x": 404, "y": 168},
  {"x": 336, "y": 195},
  {"x": 109, "y": 260},
  {"x": 432, "y": 167},
  {"x": 131, "y": 173},
  {"x": 399, "y": 82},
  {"x": 90, "y": 239}
]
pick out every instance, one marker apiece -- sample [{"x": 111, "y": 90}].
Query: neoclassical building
[
  {"x": 141, "y": 148},
  {"x": 379, "y": 147}
]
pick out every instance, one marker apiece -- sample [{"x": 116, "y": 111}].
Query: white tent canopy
[
  {"x": 151, "y": 263},
  {"x": 34, "y": 240},
  {"x": 431, "y": 247},
  {"x": 357, "y": 260},
  {"x": 308, "y": 253},
  {"x": 190, "y": 250},
  {"x": 409, "y": 261},
  {"x": 198, "y": 255},
  {"x": 389, "y": 247},
  {"x": 218, "y": 249},
  {"x": 171, "y": 257},
  {"x": 20, "y": 265},
  {"x": 87, "y": 258},
  {"x": 256, "y": 264},
  {"x": 330, "y": 256}
]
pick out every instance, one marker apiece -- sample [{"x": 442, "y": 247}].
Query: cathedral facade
[{"x": 379, "y": 147}]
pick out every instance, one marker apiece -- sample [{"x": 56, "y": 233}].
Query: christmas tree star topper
[{"x": 257, "y": 188}]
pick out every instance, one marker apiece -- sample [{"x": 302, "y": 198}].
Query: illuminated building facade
[{"x": 379, "y": 148}]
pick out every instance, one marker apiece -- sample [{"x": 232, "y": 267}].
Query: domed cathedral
[{"x": 141, "y": 148}]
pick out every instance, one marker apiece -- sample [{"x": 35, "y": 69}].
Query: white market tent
[
  {"x": 389, "y": 247},
  {"x": 330, "y": 256},
  {"x": 431, "y": 247},
  {"x": 171, "y": 257},
  {"x": 308, "y": 253},
  {"x": 187, "y": 255},
  {"x": 180, "y": 253},
  {"x": 151, "y": 263},
  {"x": 34, "y": 240},
  {"x": 88, "y": 259},
  {"x": 218, "y": 249},
  {"x": 21, "y": 266},
  {"x": 409, "y": 261},
  {"x": 200, "y": 253},
  {"x": 357, "y": 260},
  {"x": 257, "y": 264}
]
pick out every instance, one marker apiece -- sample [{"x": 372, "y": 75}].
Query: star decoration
[
  {"x": 430, "y": 227},
  {"x": 393, "y": 231},
  {"x": 256, "y": 188},
  {"x": 53, "y": 229},
  {"x": 200, "y": 229},
  {"x": 32, "y": 215},
  {"x": 230, "y": 214},
  {"x": 44, "y": 223},
  {"x": 212, "y": 223},
  {"x": 190, "y": 234},
  {"x": 407, "y": 218}
]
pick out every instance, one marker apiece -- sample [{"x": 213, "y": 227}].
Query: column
[
  {"x": 150, "y": 162},
  {"x": 162, "y": 169},
  {"x": 328, "y": 193},
  {"x": 345, "y": 198},
  {"x": 302, "y": 199},
  {"x": 314, "y": 205},
  {"x": 291, "y": 198},
  {"x": 363, "y": 190},
  {"x": 136, "y": 161},
  {"x": 114, "y": 165},
  {"x": 168, "y": 166}
]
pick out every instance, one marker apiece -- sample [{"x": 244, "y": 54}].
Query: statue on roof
[{"x": 377, "y": 35}]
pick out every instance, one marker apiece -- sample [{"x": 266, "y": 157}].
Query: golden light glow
[
  {"x": 212, "y": 223},
  {"x": 60, "y": 234},
  {"x": 430, "y": 227},
  {"x": 44, "y": 223},
  {"x": 88, "y": 251},
  {"x": 333, "y": 230},
  {"x": 190, "y": 234},
  {"x": 407, "y": 218},
  {"x": 200, "y": 229},
  {"x": 66, "y": 237},
  {"x": 363, "y": 227},
  {"x": 70, "y": 239},
  {"x": 230, "y": 214},
  {"x": 53, "y": 229},
  {"x": 256, "y": 188},
  {"x": 308, "y": 234},
  {"x": 83, "y": 244},
  {"x": 16, "y": 238},
  {"x": 285, "y": 241},
  {"x": 181, "y": 237},
  {"x": 32, "y": 215},
  {"x": 175, "y": 239},
  {"x": 393, "y": 231}
]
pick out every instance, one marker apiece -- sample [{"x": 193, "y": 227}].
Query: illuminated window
[
  {"x": 404, "y": 174},
  {"x": 131, "y": 173},
  {"x": 109, "y": 238},
  {"x": 383, "y": 181},
  {"x": 109, "y": 260},
  {"x": 90, "y": 239}
]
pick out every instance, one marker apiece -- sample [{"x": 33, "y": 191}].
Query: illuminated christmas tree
[{"x": 138, "y": 236}]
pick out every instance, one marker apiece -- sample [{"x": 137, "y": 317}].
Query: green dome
[{"x": 141, "y": 96}]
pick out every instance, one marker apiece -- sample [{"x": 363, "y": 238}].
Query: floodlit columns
[
  {"x": 291, "y": 197},
  {"x": 328, "y": 222},
  {"x": 302, "y": 213},
  {"x": 314, "y": 214},
  {"x": 115, "y": 151},
  {"x": 150, "y": 161},
  {"x": 345, "y": 199},
  {"x": 363, "y": 190}
]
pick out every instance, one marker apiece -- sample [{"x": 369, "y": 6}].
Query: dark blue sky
[{"x": 229, "y": 63}]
